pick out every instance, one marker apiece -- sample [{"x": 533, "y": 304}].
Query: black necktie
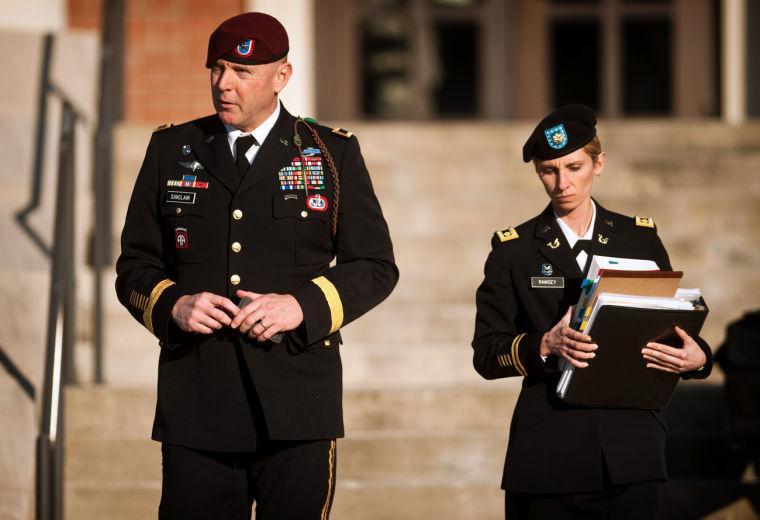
[
  {"x": 243, "y": 143},
  {"x": 581, "y": 245}
]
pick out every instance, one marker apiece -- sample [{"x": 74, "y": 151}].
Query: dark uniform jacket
[
  {"x": 193, "y": 226},
  {"x": 554, "y": 447}
]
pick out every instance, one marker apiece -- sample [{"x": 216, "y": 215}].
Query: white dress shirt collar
[
  {"x": 572, "y": 238},
  {"x": 260, "y": 133}
]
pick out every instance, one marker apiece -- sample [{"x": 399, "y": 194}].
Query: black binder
[{"x": 618, "y": 377}]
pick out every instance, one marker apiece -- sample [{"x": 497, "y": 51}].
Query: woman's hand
[
  {"x": 675, "y": 360},
  {"x": 568, "y": 343}
]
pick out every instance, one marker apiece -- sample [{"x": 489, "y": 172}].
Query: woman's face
[{"x": 568, "y": 179}]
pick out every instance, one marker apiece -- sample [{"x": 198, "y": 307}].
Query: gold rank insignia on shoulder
[
  {"x": 345, "y": 134},
  {"x": 163, "y": 127},
  {"x": 507, "y": 234},
  {"x": 645, "y": 222}
]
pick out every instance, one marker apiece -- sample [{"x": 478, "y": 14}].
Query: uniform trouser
[
  {"x": 286, "y": 480},
  {"x": 637, "y": 501},
  {"x": 634, "y": 501}
]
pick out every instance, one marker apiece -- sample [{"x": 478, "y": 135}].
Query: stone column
[
  {"x": 734, "y": 74},
  {"x": 298, "y": 18}
]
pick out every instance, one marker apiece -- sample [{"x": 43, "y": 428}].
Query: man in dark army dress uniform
[
  {"x": 251, "y": 202},
  {"x": 567, "y": 461}
]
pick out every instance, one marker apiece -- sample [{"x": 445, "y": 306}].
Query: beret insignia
[
  {"x": 556, "y": 136},
  {"x": 507, "y": 234},
  {"x": 245, "y": 48}
]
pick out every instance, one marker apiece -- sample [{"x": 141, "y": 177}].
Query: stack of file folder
[{"x": 624, "y": 304}]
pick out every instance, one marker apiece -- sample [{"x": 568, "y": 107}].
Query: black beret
[
  {"x": 248, "y": 38},
  {"x": 562, "y": 132}
]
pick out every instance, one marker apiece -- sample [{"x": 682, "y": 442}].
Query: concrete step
[
  {"x": 473, "y": 456},
  {"x": 410, "y": 453},
  {"x": 427, "y": 345},
  {"x": 380, "y": 364},
  {"x": 383, "y": 500},
  {"x": 95, "y": 413}
]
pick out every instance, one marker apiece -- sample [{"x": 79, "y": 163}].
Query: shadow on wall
[{"x": 714, "y": 435}]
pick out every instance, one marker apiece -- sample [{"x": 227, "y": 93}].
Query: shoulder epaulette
[
  {"x": 645, "y": 222},
  {"x": 507, "y": 234},
  {"x": 342, "y": 132},
  {"x": 163, "y": 127}
]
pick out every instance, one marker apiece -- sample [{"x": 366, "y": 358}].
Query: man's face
[
  {"x": 568, "y": 179},
  {"x": 245, "y": 95}
]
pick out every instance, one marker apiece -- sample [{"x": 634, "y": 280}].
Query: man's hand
[
  {"x": 675, "y": 360},
  {"x": 568, "y": 343},
  {"x": 267, "y": 315},
  {"x": 203, "y": 312}
]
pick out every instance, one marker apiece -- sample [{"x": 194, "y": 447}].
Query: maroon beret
[{"x": 248, "y": 38}]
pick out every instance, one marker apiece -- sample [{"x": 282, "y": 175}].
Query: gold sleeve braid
[
  {"x": 333, "y": 301},
  {"x": 516, "y": 354},
  {"x": 155, "y": 294}
]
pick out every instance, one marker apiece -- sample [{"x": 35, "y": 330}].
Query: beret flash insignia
[{"x": 556, "y": 136}]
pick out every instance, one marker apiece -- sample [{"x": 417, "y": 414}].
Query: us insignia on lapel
[{"x": 291, "y": 177}]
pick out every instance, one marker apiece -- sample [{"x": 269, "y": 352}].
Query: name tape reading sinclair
[{"x": 180, "y": 197}]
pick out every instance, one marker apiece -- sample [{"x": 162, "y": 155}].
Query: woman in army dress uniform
[{"x": 565, "y": 461}]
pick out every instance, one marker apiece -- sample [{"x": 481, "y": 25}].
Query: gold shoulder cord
[{"x": 330, "y": 165}]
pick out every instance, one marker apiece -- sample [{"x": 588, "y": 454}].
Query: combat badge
[
  {"x": 317, "y": 203},
  {"x": 194, "y": 165},
  {"x": 180, "y": 238}
]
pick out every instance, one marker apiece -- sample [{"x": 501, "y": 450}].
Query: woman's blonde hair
[{"x": 593, "y": 148}]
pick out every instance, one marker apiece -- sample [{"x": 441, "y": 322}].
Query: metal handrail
[
  {"x": 39, "y": 147},
  {"x": 60, "y": 335},
  {"x": 59, "y": 353}
]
